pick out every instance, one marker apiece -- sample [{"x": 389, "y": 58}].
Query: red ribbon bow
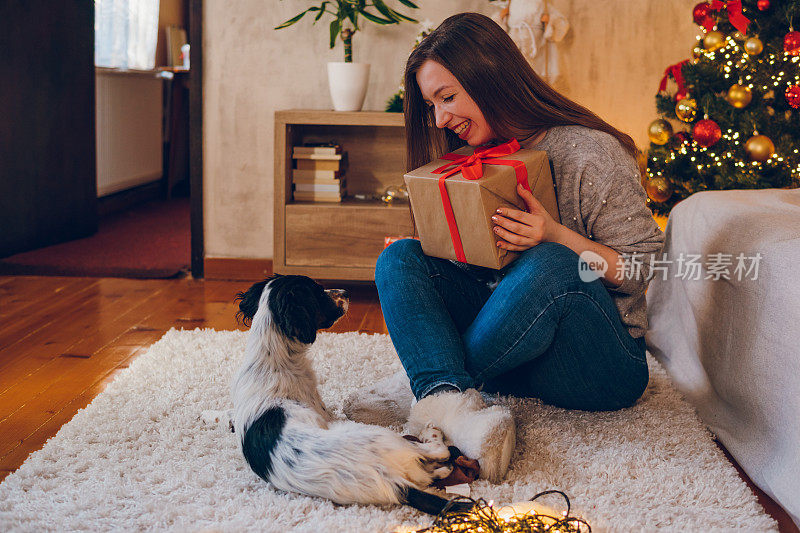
[
  {"x": 735, "y": 16},
  {"x": 471, "y": 167},
  {"x": 676, "y": 72}
]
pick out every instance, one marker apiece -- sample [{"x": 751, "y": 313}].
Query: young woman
[{"x": 538, "y": 327}]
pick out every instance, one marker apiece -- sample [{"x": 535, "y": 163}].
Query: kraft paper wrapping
[{"x": 474, "y": 202}]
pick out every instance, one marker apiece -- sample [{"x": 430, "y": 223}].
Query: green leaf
[
  {"x": 403, "y": 17},
  {"x": 336, "y": 26},
  {"x": 352, "y": 14},
  {"x": 385, "y": 11},
  {"x": 375, "y": 19},
  {"x": 409, "y": 4},
  {"x": 321, "y": 9},
  {"x": 291, "y": 20}
]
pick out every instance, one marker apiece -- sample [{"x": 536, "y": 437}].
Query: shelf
[
  {"x": 339, "y": 240},
  {"x": 352, "y": 202},
  {"x": 320, "y": 117},
  {"x": 106, "y": 71}
]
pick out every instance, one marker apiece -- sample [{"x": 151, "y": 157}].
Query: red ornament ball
[
  {"x": 763, "y": 5},
  {"x": 791, "y": 43},
  {"x": 706, "y": 133},
  {"x": 793, "y": 96},
  {"x": 700, "y": 12}
]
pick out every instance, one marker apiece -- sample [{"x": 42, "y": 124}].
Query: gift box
[{"x": 453, "y": 199}]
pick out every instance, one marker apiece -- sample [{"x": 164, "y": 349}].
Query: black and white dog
[{"x": 287, "y": 436}]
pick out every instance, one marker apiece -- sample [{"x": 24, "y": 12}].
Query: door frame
[{"x": 196, "y": 135}]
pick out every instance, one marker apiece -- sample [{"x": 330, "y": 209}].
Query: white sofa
[{"x": 732, "y": 346}]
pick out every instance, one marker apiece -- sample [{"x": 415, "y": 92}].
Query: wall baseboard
[
  {"x": 123, "y": 200},
  {"x": 238, "y": 269}
]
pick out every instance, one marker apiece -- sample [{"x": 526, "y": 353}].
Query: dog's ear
[
  {"x": 248, "y": 302},
  {"x": 294, "y": 308}
]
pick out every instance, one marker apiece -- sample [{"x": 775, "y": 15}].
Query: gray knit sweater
[{"x": 600, "y": 196}]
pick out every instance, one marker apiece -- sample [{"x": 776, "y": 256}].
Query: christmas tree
[{"x": 734, "y": 105}]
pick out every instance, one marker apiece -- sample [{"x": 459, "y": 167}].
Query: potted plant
[{"x": 348, "y": 80}]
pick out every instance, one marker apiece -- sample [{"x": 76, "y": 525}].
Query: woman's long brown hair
[{"x": 514, "y": 100}]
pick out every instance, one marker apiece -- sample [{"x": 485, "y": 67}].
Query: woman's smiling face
[{"x": 453, "y": 107}]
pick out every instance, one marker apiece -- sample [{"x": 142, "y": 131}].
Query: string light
[{"x": 483, "y": 517}]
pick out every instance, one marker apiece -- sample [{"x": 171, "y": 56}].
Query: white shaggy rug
[{"x": 138, "y": 458}]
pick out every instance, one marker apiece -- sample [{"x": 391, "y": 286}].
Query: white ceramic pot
[{"x": 348, "y": 85}]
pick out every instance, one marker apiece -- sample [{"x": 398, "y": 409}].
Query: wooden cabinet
[{"x": 339, "y": 240}]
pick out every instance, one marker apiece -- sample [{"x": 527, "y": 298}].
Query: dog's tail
[{"x": 430, "y": 503}]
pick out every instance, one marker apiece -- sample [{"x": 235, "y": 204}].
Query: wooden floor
[{"x": 62, "y": 340}]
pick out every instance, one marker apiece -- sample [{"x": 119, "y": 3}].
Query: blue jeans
[{"x": 541, "y": 332}]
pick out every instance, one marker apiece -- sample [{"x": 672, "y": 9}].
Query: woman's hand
[{"x": 520, "y": 230}]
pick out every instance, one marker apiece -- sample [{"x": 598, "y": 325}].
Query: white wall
[{"x": 612, "y": 59}]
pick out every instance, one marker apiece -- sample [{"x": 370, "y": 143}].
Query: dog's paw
[
  {"x": 442, "y": 472},
  {"x": 431, "y": 434},
  {"x": 218, "y": 418},
  {"x": 433, "y": 445}
]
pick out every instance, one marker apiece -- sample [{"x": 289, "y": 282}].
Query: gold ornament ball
[
  {"x": 714, "y": 40},
  {"x": 739, "y": 96},
  {"x": 658, "y": 188},
  {"x": 753, "y": 46},
  {"x": 686, "y": 109},
  {"x": 759, "y": 148},
  {"x": 659, "y": 131}
]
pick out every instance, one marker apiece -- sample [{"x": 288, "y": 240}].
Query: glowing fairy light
[{"x": 529, "y": 516}]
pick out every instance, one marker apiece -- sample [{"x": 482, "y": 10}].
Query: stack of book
[{"x": 318, "y": 175}]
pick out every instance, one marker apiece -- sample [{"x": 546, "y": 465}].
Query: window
[{"x": 125, "y": 33}]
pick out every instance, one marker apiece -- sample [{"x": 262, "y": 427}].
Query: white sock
[{"x": 487, "y": 434}]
